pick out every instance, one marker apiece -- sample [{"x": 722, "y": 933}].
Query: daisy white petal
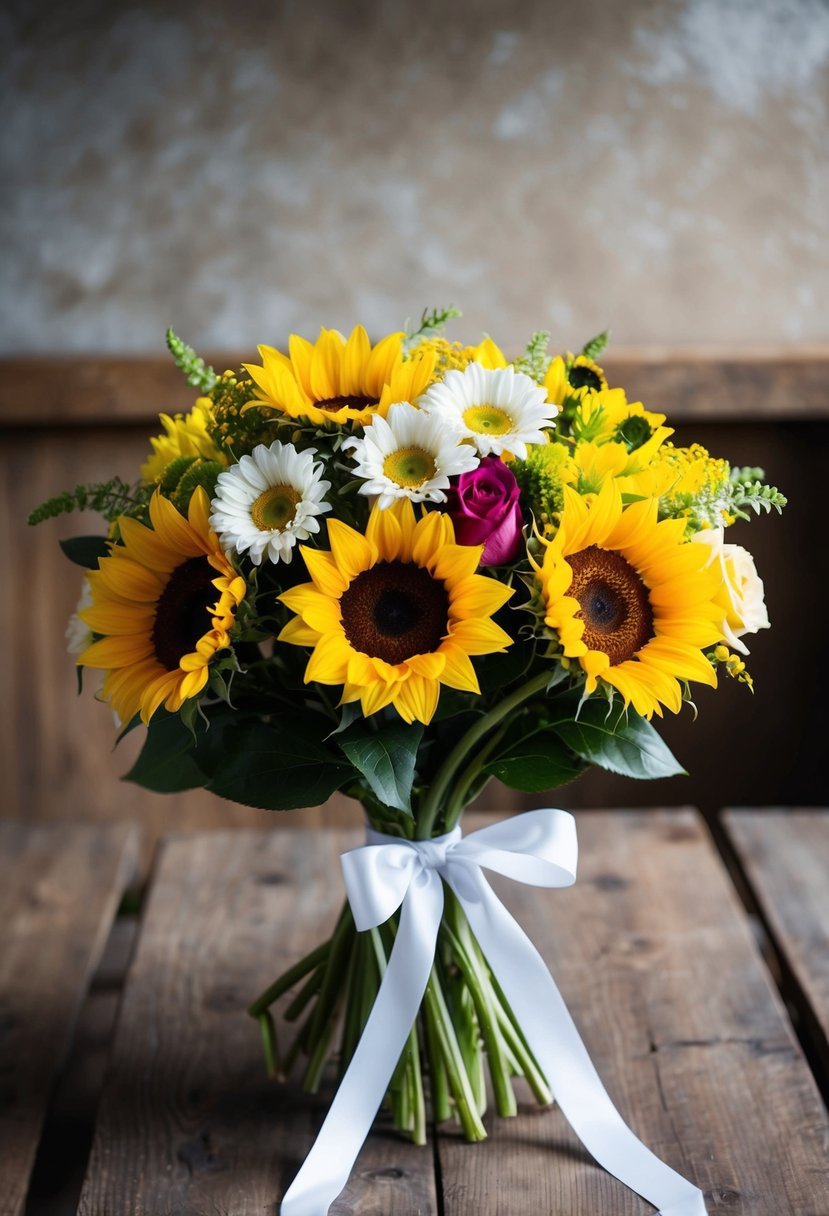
[
  {"x": 269, "y": 501},
  {"x": 409, "y": 454},
  {"x": 499, "y": 409}
]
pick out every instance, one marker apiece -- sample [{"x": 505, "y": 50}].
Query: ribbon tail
[
  {"x": 552, "y": 1035},
  {"x": 328, "y": 1165}
]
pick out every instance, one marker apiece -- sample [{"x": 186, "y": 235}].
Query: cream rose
[{"x": 741, "y": 596}]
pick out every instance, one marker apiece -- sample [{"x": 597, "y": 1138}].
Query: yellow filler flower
[
  {"x": 163, "y": 602},
  {"x": 394, "y": 614},
  {"x": 338, "y": 380},
  {"x": 630, "y": 599}
]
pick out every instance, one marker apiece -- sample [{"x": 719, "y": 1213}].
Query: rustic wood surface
[
  {"x": 83, "y": 390},
  {"x": 188, "y": 1121},
  {"x": 653, "y": 954},
  {"x": 59, "y": 892},
  {"x": 785, "y": 858}
]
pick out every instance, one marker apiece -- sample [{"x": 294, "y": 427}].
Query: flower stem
[
  {"x": 288, "y": 979},
  {"x": 436, "y": 796},
  {"x": 444, "y": 1032}
]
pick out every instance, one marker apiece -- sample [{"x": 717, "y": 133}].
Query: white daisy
[
  {"x": 269, "y": 501},
  {"x": 409, "y": 454},
  {"x": 499, "y": 409}
]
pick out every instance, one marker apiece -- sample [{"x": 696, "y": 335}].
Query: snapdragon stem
[{"x": 439, "y": 789}]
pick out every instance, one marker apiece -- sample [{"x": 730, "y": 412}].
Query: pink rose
[{"x": 483, "y": 506}]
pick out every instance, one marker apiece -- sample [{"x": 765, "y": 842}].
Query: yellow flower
[
  {"x": 698, "y": 486},
  {"x": 573, "y": 377},
  {"x": 394, "y": 614},
  {"x": 608, "y": 416},
  {"x": 183, "y": 435},
  {"x": 635, "y": 476},
  {"x": 630, "y": 599},
  {"x": 163, "y": 602},
  {"x": 339, "y": 381},
  {"x": 454, "y": 356}
]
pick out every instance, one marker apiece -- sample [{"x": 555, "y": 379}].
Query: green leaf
[
  {"x": 536, "y": 763},
  {"x": 85, "y": 550},
  {"x": 276, "y": 765},
  {"x": 595, "y": 346},
  {"x": 385, "y": 759},
  {"x": 618, "y": 740},
  {"x": 167, "y": 761}
]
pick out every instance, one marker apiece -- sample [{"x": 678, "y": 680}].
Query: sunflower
[
  {"x": 630, "y": 599},
  {"x": 338, "y": 380},
  {"x": 573, "y": 377},
  {"x": 163, "y": 603},
  {"x": 394, "y": 614}
]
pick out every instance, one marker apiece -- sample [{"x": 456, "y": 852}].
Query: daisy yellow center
[
  {"x": 394, "y": 611},
  {"x": 183, "y": 611},
  {"x": 409, "y": 467},
  {"x": 488, "y": 420},
  {"x": 275, "y": 508},
  {"x": 332, "y": 404},
  {"x": 614, "y": 604}
]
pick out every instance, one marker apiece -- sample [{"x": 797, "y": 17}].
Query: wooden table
[{"x": 696, "y": 966}]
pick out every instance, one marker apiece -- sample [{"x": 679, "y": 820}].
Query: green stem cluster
[{"x": 465, "y": 1027}]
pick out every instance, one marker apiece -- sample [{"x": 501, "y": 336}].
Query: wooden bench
[{"x": 696, "y": 967}]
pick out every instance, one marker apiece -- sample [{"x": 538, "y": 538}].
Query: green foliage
[
  {"x": 168, "y": 760},
  {"x": 85, "y": 551},
  {"x": 237, "y": 430},
  {"x": 202, "y": 473},
  {"x": 432, "y": 323},
  {"x": 533, "y": 761},
  {"x": 194, "y": 369},
  {"x": 536, "y": 359},
  {"x": 109, "y": 498},
  {"x": 749, "y": 492},
  {"x": 277, "y": 765},
  {"x": 595, "y": 346},
  {"x": 385, "y": 758},
  {"x": 618, "y": 740}
]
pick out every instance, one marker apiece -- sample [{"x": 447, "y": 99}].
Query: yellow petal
[
  {"x": 297, "y": 633},
  {"x": 323, "y": 570},
  {"x": 351, "y": 551},
  {"x": 458, "y": 671},
  {"x": 329, "y": 662}
]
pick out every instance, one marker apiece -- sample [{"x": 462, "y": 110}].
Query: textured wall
[{"x": 242, "y": 170}]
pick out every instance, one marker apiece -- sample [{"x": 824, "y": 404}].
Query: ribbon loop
[{"x": 538, "y": 848}]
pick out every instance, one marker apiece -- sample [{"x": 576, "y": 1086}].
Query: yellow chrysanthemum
[
  {"x": 338, "y": 380},
  {"x": 634, "y": 474},
  {"x": 163, "y": 602},
  {"x": 630, "y": 599},
  {"x": 394, "y": 614},
  {"x": 183, "y": 435}
]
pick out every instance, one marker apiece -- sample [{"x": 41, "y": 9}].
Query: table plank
[
  {"x": 188, "y": 1121},
  {"x": 655, "y": 959},
  {"x": 785, "y": 858},
  {"x": 60, "y": 886}
]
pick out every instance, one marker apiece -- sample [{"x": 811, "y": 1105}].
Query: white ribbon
[{"x": 539, "y": 848}]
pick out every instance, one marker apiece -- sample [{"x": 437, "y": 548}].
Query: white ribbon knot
[{"x": 538, "y": 848}]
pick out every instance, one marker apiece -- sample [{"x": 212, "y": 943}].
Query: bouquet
[{"x": 400, "y": 570}]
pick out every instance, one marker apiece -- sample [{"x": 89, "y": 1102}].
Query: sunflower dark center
[
  {"x": 332, "y": 404},
  {"x": 617, "y": 615},
  {"x": 182, "y": 613},
  {"x": 583, "y": 377},
  {"x": 395, "y": 610}
]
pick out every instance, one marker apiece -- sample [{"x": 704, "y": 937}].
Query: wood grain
[
  {"x": 59, "y": 891},
  {"x": 188, "y": 1122},
  {"x": 85, "y": 391},
  {"x": 655, "y": 959},
  {"x": 784, "y": 855}
]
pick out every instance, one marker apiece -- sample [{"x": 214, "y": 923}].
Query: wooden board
[
  {"x": 188, "y": 1121},
  {"x": 654, "y": 957},
  {"x": 785, "y": 858},
  {"x": 83, "y": 391},
  {"x": 59, "y": 891}
]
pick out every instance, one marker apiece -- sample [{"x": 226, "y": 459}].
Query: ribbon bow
[{"x": 538, "y": 848}]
